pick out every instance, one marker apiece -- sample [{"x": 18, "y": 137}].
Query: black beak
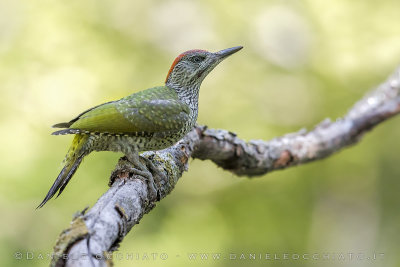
[{"x": 227, "y": 52}]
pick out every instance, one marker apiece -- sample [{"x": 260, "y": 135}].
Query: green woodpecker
[{"x": 152, "y": 119}]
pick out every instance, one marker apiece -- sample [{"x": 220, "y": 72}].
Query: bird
[{"x": 152, "y": 119}]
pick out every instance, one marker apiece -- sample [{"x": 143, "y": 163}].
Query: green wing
[{"x": 154, "y": 110}]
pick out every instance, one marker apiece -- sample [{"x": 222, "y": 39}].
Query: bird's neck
[{"x": 188, "y": 95}]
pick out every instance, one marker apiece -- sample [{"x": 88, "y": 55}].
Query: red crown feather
[{"x": 178, "y": 58}]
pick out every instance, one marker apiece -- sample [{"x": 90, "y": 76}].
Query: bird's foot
[
  {"x": 153, "y": 193},
  {"x": 159, "y": 176},
  {"x": 155, "y": 178}
]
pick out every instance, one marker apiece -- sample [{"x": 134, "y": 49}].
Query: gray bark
[{"x": 93, "y": 235}]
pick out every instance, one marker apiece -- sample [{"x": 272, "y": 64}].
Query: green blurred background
[{"x": 303, "y": 61}]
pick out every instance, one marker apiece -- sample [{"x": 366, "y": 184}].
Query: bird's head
[{"x": 191, "y": 67}]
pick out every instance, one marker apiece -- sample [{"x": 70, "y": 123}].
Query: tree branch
[{"x": 92, "y": 237}]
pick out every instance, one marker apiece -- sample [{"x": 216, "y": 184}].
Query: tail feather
[
  {"x": 66, "y": 131},
  {"x": 62, "y": 125},
  {"x": 70, "y": 174},
  {"x": 73, "y": 159}
]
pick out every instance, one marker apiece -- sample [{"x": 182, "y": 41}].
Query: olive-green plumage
[
  {"x": 152, "y": 119},
  {"x": 154, "y": 110}
]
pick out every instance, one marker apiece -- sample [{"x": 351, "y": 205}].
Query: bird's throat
[{"x": 188, "y": 95}]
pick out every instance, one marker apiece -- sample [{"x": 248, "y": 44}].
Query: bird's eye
[{"x": 197, "y": 59}]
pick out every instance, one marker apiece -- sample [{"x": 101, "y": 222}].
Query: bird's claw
[
  {"x": 153, "y": 193},
  {"x": 159, "y": 176},
  {"x": 144, "y": 167}
]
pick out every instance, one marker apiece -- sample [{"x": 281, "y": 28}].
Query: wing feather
[{"x": 156, "y": 111}]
